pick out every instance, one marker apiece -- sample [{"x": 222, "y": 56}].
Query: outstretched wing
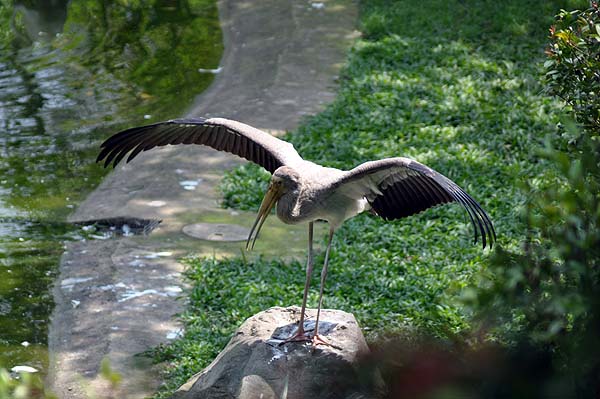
[
  {"x": 221, "y": 134},
  {"x": 400, "y": 187}
]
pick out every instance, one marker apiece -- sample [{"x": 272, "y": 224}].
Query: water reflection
[
  {"x": 42, "y": 19},
  {"x": 71, "y": 73}
]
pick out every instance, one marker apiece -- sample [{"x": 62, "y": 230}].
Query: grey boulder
[{"x": 257, "y": 363}]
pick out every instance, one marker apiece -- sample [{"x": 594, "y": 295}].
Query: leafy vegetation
[
  {"x": 455, "y": 85},
  {"x": 546, "y": 295},
  {"x": 574, "y": 64}
]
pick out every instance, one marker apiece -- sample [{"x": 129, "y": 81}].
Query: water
[{"x": 72, "y": 73}]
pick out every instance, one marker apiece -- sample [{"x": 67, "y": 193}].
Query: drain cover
[{"x": 217, "y": 231}]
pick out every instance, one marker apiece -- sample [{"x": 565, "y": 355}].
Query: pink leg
[
  {"x": 316, "y": 339},
  {"x": 301, "y": 335}
]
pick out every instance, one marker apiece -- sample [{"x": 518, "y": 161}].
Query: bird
[{"x": 305, "y": 192}]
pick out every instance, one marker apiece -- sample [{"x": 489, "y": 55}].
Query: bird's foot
[
  {"x": 299, "y": 336},
  {"x": 317, "y": 340}
]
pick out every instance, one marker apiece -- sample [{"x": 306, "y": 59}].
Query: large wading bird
[{"x": 392, "y": 188}]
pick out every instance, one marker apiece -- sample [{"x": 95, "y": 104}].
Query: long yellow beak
[{"x": 272, "y": 195}]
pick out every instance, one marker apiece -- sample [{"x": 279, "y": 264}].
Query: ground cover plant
[{"x": 453, "y": 84}]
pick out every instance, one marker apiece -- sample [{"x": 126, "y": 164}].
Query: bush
[
  {"x": 573, "y": 65},
  {"x": 552, "y": 286}
]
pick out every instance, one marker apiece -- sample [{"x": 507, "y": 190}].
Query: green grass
[{"x": 453, "y": 84}]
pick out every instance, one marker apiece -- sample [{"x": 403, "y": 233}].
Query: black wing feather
[
  {"x": 221, "y": 134},
  {"x": 405, "y": 187}
]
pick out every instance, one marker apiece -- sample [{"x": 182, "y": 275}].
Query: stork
[{"x": 305, "y": 192}]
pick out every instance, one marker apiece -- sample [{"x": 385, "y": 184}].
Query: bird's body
[
  {"x": 313, "y": 200},
  {"x": 304, "y": 191}
]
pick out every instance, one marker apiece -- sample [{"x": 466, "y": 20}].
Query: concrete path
[{"x": 117, "y": 298}]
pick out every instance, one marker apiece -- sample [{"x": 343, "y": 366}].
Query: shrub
[{"x": 573, "y": 65}]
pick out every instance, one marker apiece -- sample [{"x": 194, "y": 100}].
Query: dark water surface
[{"x": 72, "y": 73}]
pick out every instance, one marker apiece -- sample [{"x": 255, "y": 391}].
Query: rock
[{"x": 258, "y": 364}]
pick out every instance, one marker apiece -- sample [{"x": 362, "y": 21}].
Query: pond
[{"x": 72, "y": 73}]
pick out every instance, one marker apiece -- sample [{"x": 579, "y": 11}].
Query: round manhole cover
[{"x": 217, "y": 231}]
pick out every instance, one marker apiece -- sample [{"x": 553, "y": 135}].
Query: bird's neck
[{"x": 287, "y": 207}]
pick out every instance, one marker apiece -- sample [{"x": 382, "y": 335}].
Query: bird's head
[
  {"x": 284, "y": 180},
  {"x": 287, "y": 178}
]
